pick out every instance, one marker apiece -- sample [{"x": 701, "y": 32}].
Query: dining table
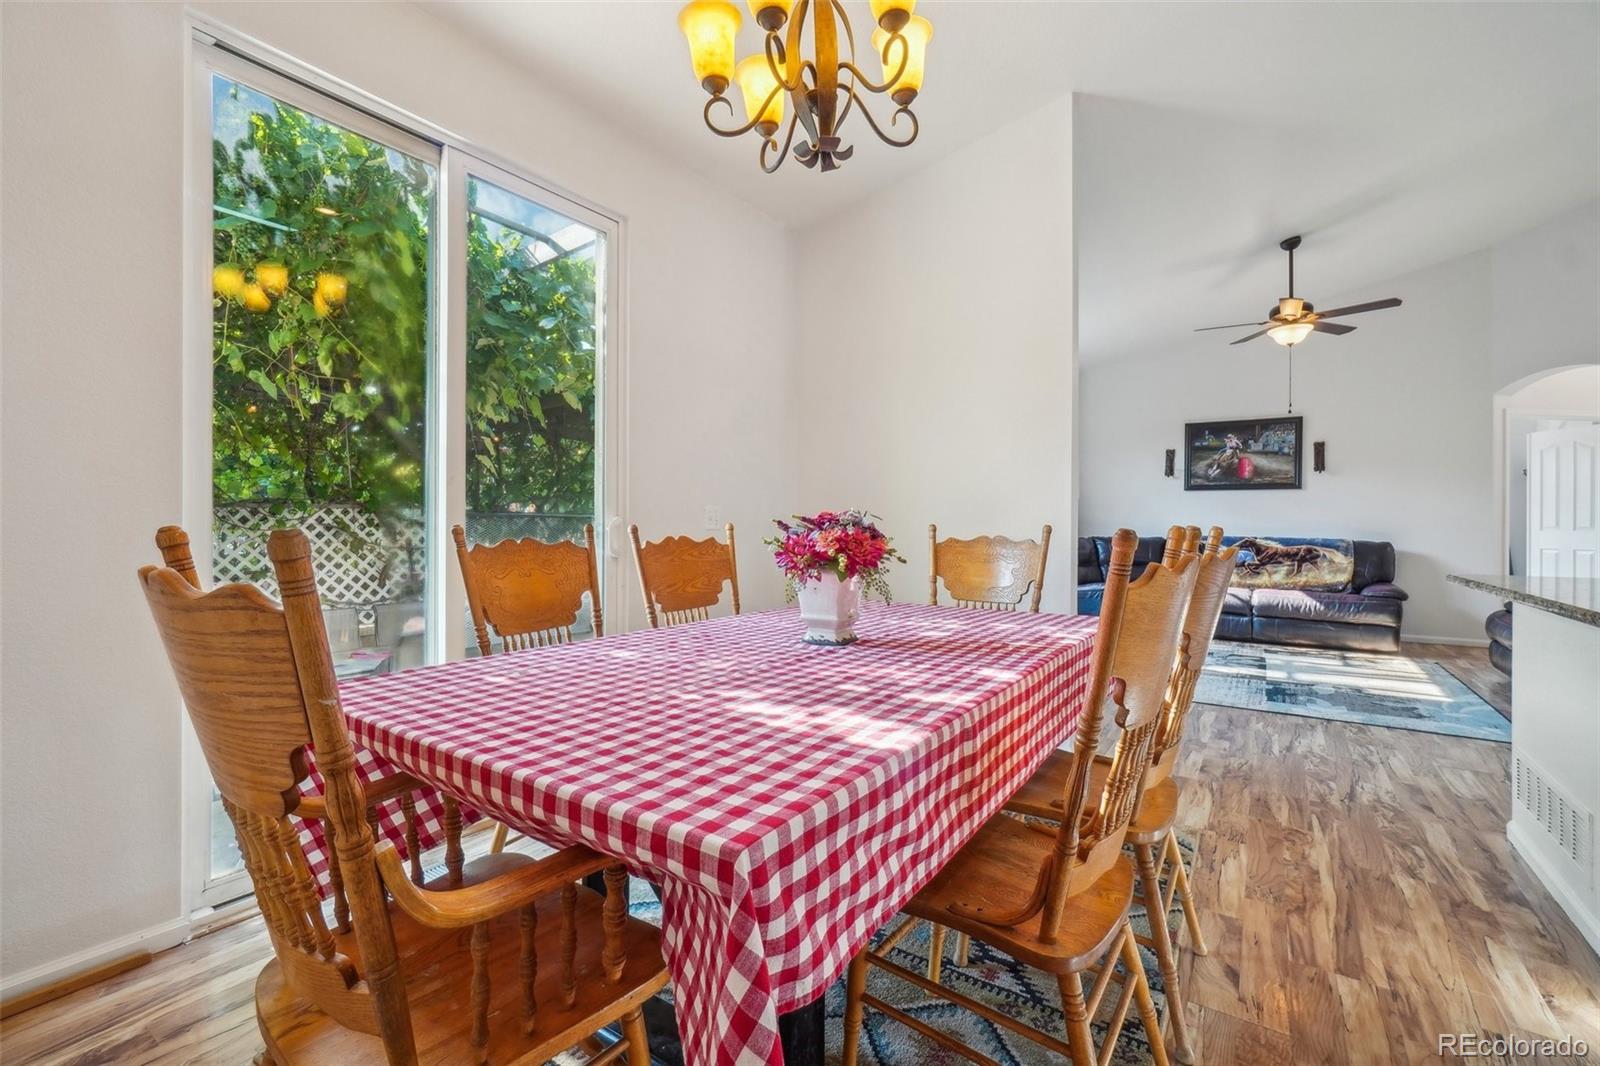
[{"x": 785, "y": 798}]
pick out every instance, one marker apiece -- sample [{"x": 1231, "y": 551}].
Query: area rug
[
  {"x": 1345, "y": 686},
  {"x": 992, "y": 978}
]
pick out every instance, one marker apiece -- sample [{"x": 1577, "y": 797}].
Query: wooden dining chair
[
  {"x": 417, "y": 978},
  {"x": 1057, "y": 899},
  {"x": 1152, "y": 835},
  {"x": 992, "y": 573},
  {"x": 529, "y": 592},
  {"x": 682, "y": 578},
  {"x": 173, "y": 544}
]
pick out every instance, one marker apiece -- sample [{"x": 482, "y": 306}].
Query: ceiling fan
[{"x": 1294, "y": 319}]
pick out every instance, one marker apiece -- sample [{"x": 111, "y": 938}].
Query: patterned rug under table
[
  {"x": 1362, "y": 688},
  {"x": 990, "y": 977}
]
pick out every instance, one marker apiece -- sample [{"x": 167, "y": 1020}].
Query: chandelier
[{"x": 824, "y": 89}]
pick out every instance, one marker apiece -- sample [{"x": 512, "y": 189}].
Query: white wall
[
  {"x": 1544, "y": 312},
  {"x": 1405, "y": 404},
  {"x": 935, "y": 366},
  {"x": 92, "y": 445}
]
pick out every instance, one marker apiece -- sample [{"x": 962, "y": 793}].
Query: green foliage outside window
[{"x": 321, "y": 332}]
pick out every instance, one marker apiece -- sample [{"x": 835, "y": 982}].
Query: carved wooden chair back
[
  {"x": 1135, "y": 646},
  {"x": 682, "y": 579},
  {"x": 1186, "y": 542},
  {"x": 1214, "y": 572},
  {"x": 990, "y": 573},
  {"x": 257, "y": 679},
  {"x": 173, "y": 543},
  {"x": 527, "y": 591}
]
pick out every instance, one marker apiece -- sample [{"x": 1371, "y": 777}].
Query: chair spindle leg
[
  {"x": 1161, "y": 940},
  {"x": 480, "y": 990},
  {"x": 528, "y": 923},
  {"x": 453, "y": 857},
  {"x": 408, "y": 807},
  {"x": 341, "y": 903},
  {"x": 569, "y": 942},
  {"x": 613, "y": 922}
]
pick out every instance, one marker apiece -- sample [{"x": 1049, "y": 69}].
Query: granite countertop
[{"x": 1574, "y": 598}]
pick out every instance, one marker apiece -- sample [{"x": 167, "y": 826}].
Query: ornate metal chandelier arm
[
  {"x": 748, "y": 126},
  {"x": 855, "y": 71},
  {"x": 783, "y": 153},
  {"x": 866, "y": 82},
  {"x": 893, "y": 120},
  {"x": 776, "y": 63}
]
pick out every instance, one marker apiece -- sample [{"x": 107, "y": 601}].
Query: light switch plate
[{"x": 713, "y": 516}]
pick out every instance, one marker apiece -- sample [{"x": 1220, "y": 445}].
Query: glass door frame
[
  {"x": 459, "y": 165},
  {"x": 217, "y": 50}
]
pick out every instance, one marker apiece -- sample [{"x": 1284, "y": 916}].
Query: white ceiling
[{"x": 1391, "y": 135}]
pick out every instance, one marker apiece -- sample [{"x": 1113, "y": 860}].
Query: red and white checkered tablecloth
[{"x": 787, "y": 798}]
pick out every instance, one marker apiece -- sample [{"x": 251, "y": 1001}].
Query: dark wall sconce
[
  {"x": 1319, "y": 456},
  {"x": 1172, "y": 458}
]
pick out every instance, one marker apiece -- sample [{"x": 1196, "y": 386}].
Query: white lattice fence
[{"x": 360, "y": 559}]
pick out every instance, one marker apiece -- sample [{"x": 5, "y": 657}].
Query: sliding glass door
[
  {"x": 535, "y": 287},
  {"x": 387, "y": 335}
]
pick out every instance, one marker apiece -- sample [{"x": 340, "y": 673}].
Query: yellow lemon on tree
[
  {"x": 332, "y": 288},
  {"x": 255, "y": 298},
  {"x": 320, "y": 305},
  {"x": 228, "y": 281},
  {"x": 273, "y": 277}
]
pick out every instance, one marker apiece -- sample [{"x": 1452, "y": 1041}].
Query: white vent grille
[{"x": 1571, "y": 828}]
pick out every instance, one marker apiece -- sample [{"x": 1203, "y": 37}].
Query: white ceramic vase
[{"x": 828, "y": 607}]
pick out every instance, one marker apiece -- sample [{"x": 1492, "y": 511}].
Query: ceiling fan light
[{"x": 1289, "y": 334}]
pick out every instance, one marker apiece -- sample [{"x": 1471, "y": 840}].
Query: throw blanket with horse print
[{"x": 1312, "y": 564}]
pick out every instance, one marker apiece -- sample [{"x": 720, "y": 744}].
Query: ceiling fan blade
[
  {"x": 1356, "y": 309},
  {"x": 1336, "y": 328},
  {"x": 1253, "y": 336},
  {"x": 1236, "y": 325}
]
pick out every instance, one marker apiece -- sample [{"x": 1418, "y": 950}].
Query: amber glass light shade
[
  {"x": 770, "y": 14},
  {"x": 918, "y": 32},
  {"x": 755, "y": 79},
  {"x": 892, "y": 14},
  {"x": 710, "y": 27}
]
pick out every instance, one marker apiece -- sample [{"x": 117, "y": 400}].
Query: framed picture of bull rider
[{"x": 1243, "y": 453}]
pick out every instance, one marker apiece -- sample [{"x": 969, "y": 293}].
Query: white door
[{"x": 1563, "y": 490}]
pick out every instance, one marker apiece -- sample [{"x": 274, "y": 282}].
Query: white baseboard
[
  {"x": 155, "y": 938},
  {"x": 1524, "y": 848},
  {"x": 1465, "y": 642}
]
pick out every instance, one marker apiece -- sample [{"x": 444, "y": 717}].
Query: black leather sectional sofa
[{"x": 1363, "y": 615}]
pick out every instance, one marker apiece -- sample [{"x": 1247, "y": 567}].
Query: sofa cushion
[
  {"x": 1237, "y": 601},
  {"x": 1090, "y": 597},
  {"x": 1343, "y": 607},
  {"x": 1386, "y": 590},
  {"x": 1498, "y": 626},
  {"x": 1089, "y": 571},
  {"x": 1374, "y": 563},
  {"x": 1148, "y": 551},
  {"x": 1309, "y": 632},
  {"x": 1233, "y": 627}
]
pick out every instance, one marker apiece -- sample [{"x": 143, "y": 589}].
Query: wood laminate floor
[{"x": 1358, "y": 892}]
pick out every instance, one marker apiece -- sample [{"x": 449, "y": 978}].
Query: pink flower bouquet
[{"x": 845, "y": 543}]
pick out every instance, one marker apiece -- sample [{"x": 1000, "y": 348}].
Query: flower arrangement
[{"x": 845, "y": 543}]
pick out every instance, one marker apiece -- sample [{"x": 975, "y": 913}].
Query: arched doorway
[{"x": 1549, "y": 396}]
